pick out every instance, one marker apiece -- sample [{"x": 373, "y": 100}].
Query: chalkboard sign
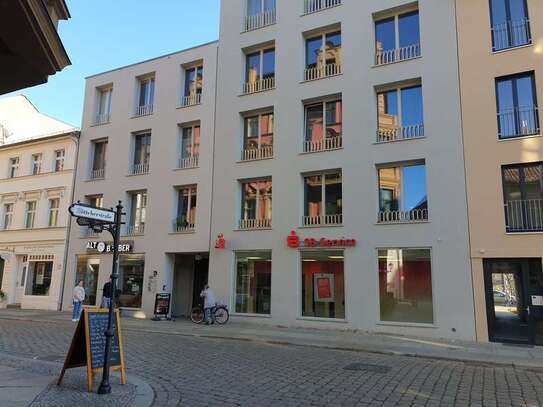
[
  {"x": 162, "y": 304},
  {"x": 88, "y": 345}
]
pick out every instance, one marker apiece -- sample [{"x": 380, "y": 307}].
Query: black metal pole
[{"x": 105, "y": 387}]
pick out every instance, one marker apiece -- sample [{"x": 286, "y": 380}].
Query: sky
[{"x": 107, "y": 34}]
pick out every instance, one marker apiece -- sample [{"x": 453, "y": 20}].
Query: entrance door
[
  {"x": 508, "y": 313},
  {"x": 201, "y": 273}
]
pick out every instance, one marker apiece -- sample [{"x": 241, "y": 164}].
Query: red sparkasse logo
[{"x": 294, "y": 242}]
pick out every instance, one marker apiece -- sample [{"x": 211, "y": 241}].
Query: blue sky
[{"x": 106, "y": 34}]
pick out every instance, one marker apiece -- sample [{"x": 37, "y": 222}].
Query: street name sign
[{"x": 90, "y": 212}]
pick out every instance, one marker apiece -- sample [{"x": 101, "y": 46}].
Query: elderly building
[{"x": 37, "y": 164}]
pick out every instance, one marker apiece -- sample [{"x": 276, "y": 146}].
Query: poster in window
[
  {"x": 323, "y": 284},
  {"x": 40, "y": 272}
]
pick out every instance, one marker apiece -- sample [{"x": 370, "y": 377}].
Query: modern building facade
[
  {"x": 501, "y": 60},
  {"x": 147, "y": 141},
  {"x": 37, "y": 163}
]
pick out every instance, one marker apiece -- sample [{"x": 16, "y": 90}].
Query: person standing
[
  {"x": 209, "y": 304},
  {"x": 78, "y": 297},
  {"x": 106, "y": 294}
]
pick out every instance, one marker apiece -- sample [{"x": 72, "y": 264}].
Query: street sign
[{"x": 90, "y": 212}]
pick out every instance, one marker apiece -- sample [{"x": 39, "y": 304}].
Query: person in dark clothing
[{"x": 106, "y": 294}]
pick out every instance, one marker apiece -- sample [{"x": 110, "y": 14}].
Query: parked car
[{"x": 502, "y": 298}]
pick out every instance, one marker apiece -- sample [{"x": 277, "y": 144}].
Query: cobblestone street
[{"x": 196, "y": 371}]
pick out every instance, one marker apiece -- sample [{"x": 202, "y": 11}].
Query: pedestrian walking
[
  {"x": 209, "y": 304},
  {"x": 78, "y": 297}
]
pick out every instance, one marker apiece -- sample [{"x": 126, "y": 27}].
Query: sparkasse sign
[{"x": 89, "y": 212}]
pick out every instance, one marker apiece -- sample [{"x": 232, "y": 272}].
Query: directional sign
[{"x": 89, "y": 212}]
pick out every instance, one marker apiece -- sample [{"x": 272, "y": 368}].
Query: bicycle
[{"x": 220, "y": 311}]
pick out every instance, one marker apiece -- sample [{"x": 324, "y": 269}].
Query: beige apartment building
[
  {"x": 501, "y": 71},
  {"x": 37, "y": 162},
  {"x": 147, "y": 141}
]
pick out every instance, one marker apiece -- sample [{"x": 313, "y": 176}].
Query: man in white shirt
[
  {"x": 78, "y": 298},
  {"x": 209, "y": 304}
]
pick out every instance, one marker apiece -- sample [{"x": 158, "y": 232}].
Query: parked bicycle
[{"x": 219, "y": 314}]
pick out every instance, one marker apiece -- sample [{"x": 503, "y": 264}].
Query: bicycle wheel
[
  {"x": 197, "y": 315},
  {"x": 221, "y": 315}
]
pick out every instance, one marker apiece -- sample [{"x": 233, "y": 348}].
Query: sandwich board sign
[
  {"x": 88, "y": 344},
  {"x": 92, "y": 214}
]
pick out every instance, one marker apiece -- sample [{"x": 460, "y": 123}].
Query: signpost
[
  {"x": 99, "y": 219},
  {"x": 162, "y": 306}
]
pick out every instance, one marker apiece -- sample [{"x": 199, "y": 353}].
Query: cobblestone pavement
[{"x": 211, "y": 372}]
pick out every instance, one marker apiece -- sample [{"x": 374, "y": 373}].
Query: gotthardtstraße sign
[{"x": 92, "y": 213}]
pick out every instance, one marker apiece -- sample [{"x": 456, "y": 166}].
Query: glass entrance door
[{"x": 508, "y": 313}]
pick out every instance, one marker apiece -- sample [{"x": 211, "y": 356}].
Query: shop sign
[
  {"x": 294, "y": 242},
  {"x": 107, "y": 247},
  {"x": 80, "y": 210}
]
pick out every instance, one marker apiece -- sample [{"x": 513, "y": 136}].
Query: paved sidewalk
[{"x": 469, "y": 352}]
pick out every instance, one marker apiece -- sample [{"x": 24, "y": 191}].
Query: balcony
[
  {"x": 144, "y": 110},
  {"x": 254, "y": 224},
  {"x": 259, "y": 86},
  {"x": 321, "y": 72},
  {"x": 524, "y": 216},
  {"x": 101, "y": 119},
  {"x": 385, "y": 135},
  {"x": 518, "y": 122},
  {"x": 191, "y": 100},
  {"x": 139, "y": 169},
  {"x": 181, "y": 226},
  {"x": 135, "y": 230},
  {"x": 385, "y": 57},
  {"x": 97, "y": 174},
  {"x": 323, "y": 220},
  {"x": 412, "y": 216},
  {"x": 253, "y": 154},
  {"x": 260, "y": 20},
  {"x": 188, "y": 162},
  {"x": 313, "y": 6},
  {"x": 329, "y": 143},
  {"x": 511, "y": 34}
]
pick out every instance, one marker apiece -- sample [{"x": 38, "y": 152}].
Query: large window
[
  {"x": 256, "y": 7},
  {"x": 405, "y": 285},
  {"x": 142, "y": 153},
  {"x": 323, "y": 126},
  {"x": 256, "y": 204},
  {"x": 104, "y": 105},
  {"x": 517, "y": 106},
  {"x": 323, "y": 199},
  {"x": 87, "y": 270},
  {"x": 397, "y": 38},
  {"x": 36, "y": 163},
  {"x": 510, "y": 24},
  {"x": 131, "y": 267},
  {"x": 13, "y": 169},
  {"x": 96, "y": 200},
  {"x": 138, "y": 212},
  {"x": 59, "y": 160},
  {"x": 253, "y": 282},
  {"x": 260, "y": 71},
  {"x": 523, "y": 197},
  {"x": 258, "y": 137},
  {"x": 323, "y": 55},
  {"x": 8, "y": 216},
  {"x": 400, "y": 114},
  {"x": 193, "y": 82},
  {"x": 323, "y": 285},
  {"x": 38, "y": 280},
  {"x": 30, "y": 214},
  {"x": 189, "y": 146},
  {"x": 186, "y": 209},
  {"x": 402, "y": 193},
  {"x": 54, "y": 205},
  {"x": 146, "y": 97},
  {"x": 98, "y": 159}
]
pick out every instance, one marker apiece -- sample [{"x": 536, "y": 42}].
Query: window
[
  {"x": 131, "y": 269},
  {"x": 523, "y": 197},
  {"x": 510, "y": 24},
  {"x": 258, "y": 137},
  {"x": 190, "y": 146},
  {"x": 104, "y": 105},
  {"x": 53, "y": 211},
  {"x": 13, "y": 167},
  {"x": 36, "y": 164},
  {"x": 517, "y": 106},
  {"x": 323, "y": 286},
  {"x": 30, "y": 214},
  {"x": 397, "y": 38},
  {"x": 402, "y": 194},
  {"x": 193, "y": 86},
  {"x": 8, "y": 216},
  {"x": 146, "y": 96},
  {"x": 253, "y": 282},
  {"x": 38, "y": 280},
  {"x": 323, "y": 199},
  {"x": 96, "y": 200},
  {"x": 323, "y": 56},
  {"x": 186, "y": 209},
  {"x": 323, "y": 127},
  {"x": 99, "y": 159},
  {"x": 400, "y": 114},
  {"x": 256, "y": 204},
  {"x": 138, "y": 212},
  {"x": 87, "y": 270},
  {"x": 142, "y": 153},
  {"x": 59, "y": 160},
  {"x": 260, "y": 71},
  {"x": 405, "y": 285},
  {"x": 260, "y": 13}
]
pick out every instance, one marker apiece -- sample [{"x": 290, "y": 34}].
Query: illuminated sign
[{"x": 294, "y": 242}]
